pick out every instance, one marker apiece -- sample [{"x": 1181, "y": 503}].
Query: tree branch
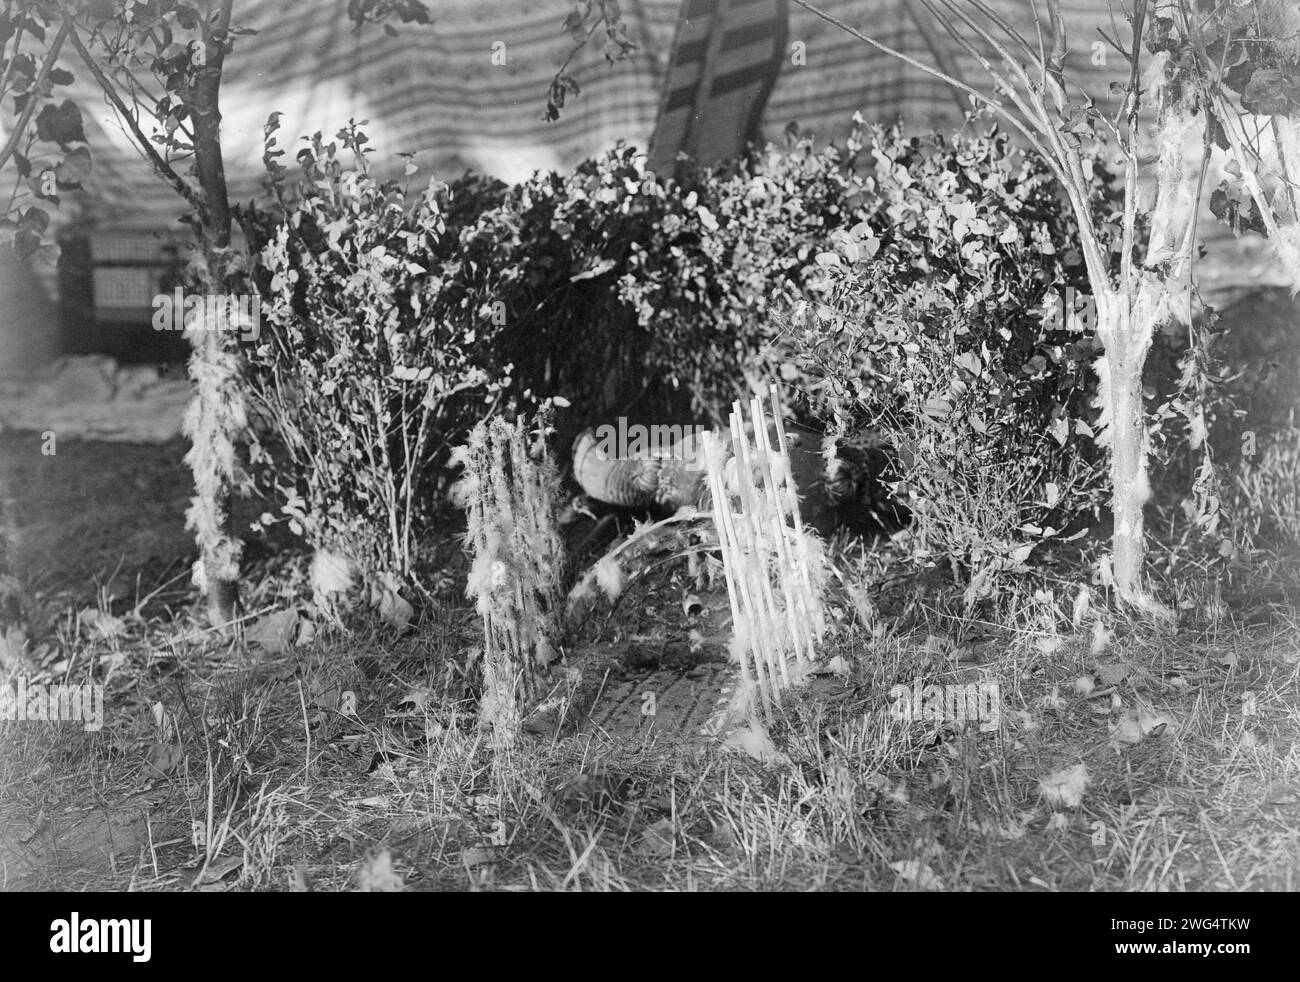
[
  {"x": 941, "y": 59},
  {"x": 20, "y": 127},
  {"x": 9, "y": 68},
  {"x": 143, "y": 143},
  {"x": 1132, "y": 105},
  {"x": 1064, "y": 160},
  {"x": 207, "y": 130},
  {"x": 980, "y": 97}
]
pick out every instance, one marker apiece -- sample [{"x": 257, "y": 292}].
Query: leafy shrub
[
  {"x": 927, "y": 274},
  {"x": 369, "y": 362},
  {"x": 939, "y": 321},
  {"x": 395, "y": 320},
  {"x": 729, "y": 247}
]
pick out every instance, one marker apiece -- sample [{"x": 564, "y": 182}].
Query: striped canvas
[{"x": 435, "y": 89}]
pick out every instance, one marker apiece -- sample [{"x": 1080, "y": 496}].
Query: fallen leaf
[
  {"x": 330, "y": 574},
  {"x": 13, "y": 650},
  {"x": 477, "y": 856},
  {"x": 1127, "y": 730},
  {"x": 164, "y": 757},
  {"x": 274, "y": 632},
  {"x": 657, "y": 841},
  {"x": 217, "y": 870},
  {"x": 414, "y": 699},
  {"x": 918, "y": 873},
  {"x": 875, "y": 781},
  {"x": 112, "y": 661},
  {"x": 394, "y": 610},
  {"x": 1155, "y": 722},
  {"x": 325, "y": 696}
]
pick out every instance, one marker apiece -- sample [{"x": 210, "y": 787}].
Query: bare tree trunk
[
  {"x": 1127, "y": 318},
  {"x": 1119, "y": 371},
  {"x": 216, "y": 416}
]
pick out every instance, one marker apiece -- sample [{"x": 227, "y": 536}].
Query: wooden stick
[
  {"x": 717, "y": 491},
  {"x": 757, "y": 564},
  {"x": 754, "y": 577},
  {"x": 733, "y": 567},
  {"x": 806, "y": 559},
  {"x": 795, "y": 602}
]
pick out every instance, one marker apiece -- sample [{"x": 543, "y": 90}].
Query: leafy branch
[
  {"x": 617, "y": 47},
  {"x": 29, "y": 109},
  {"x": 141, "y": 141}
]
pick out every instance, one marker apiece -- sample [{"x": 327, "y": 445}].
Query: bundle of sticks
[{"x": 769, "y": 558}]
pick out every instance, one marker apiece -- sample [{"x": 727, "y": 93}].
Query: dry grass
[
  {"x": 355, "y": 759},
  {"x": 221, "y": 768}
]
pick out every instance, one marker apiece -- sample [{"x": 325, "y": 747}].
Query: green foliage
[
  {"x": 379, "y": 11},
  {"x": 585, "y": 18},
  {"x": 375, "y": 350},
  {"x": 727, "y": 249},
  {"x": 42, "y": 139},
  {"x": 930, "y": 277},
  {"x": 951, "y": 319}
]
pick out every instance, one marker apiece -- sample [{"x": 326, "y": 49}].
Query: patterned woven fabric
[{"x": 438, "y": 89}]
